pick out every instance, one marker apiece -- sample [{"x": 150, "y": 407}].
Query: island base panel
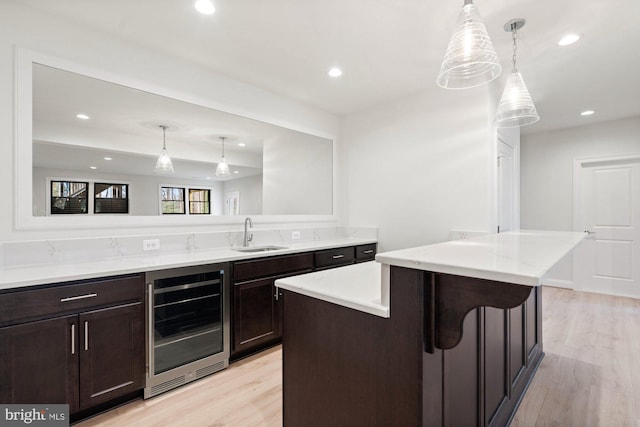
[{"x": 343, "y": 367}]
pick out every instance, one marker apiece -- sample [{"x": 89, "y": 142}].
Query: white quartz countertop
[
  {"x": 356, "y": 286},
  {"x": 521, "y": 257},
  {"x": 15, "y": 277}
]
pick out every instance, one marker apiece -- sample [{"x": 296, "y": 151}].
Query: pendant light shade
[
  {"x": 470, "y": 59},
  {"x": 223, "y": 168},
  {"x": 164, "y": 165},
  {"x": 516, "y": 107}
]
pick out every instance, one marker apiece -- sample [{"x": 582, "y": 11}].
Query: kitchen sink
[{"x": 260, "y": 248}]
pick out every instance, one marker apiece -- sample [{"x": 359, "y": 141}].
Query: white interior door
[
  {"x": 609, "y": 207},
  {"x": 508, "y": 184},
  {"x": 232, "y": 203}
]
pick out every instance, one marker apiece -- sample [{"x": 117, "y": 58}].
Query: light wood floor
[{"x": 589, "y": 377}]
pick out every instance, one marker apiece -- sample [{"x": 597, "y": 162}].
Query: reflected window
[
  {"x": 199, "y": 201},
  {"x": 111, "y": 198},
  {"x": 172, "y": 200},
  {"x": 69, "y": 197}
]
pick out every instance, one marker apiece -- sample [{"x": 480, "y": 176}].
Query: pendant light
[
  {"x": 164, "y": 165},
  {"x": 223, "y": 168},
  {"x": 516, "y": 106},
  {"x": 470, "y": 59}
]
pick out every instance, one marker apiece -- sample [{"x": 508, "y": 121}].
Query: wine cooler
[{"x": 188, "y": 325}]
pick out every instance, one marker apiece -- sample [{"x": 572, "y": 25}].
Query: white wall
[
  {"x": 31, "y": 29},
  {"x": 546, "y": 185},
  {"x": 419, "y": 166}
]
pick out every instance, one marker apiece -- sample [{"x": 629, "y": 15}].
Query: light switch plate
[{"x": 295, "y": 235}]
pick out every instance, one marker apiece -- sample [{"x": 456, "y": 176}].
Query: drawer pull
[
  {"x": 73, "y": 338},
  {"x": 78, "y": 297},
  {"x": 86, "y": 335},
  {"x": 338, "y": 256},
  {"x": 368, "y": 251}
]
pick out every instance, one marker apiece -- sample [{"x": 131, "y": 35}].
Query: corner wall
[
  {"x": 418, "y": 167},
  {"x": 546, "y": 184}
]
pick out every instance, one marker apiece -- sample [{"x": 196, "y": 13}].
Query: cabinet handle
[
  {"x": 86, "y": 335},
  {"x": 368, "y": 251},
  {"x": 338, "y": 256},
  {"x": 78, "y": 297},
  {"x": 73, "y": 338}
]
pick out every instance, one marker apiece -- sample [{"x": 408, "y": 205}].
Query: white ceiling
[{"x": 387, "y": 48}]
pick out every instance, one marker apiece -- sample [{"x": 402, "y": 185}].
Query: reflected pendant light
[
  {"x": 164, "y": 165},
  {"x": 516, "y": 106},
  {"x": 223, "y": 168},
  {"x": 470, "y": 59}
]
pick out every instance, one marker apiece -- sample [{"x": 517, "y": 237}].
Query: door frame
[{"x": 578, "y": 164}]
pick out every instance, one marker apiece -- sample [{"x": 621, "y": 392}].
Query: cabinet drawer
[
  {"x": 69, "y": 297},
  {"x": 266, "y": 267},
  {"x": 366, "y": 252},
  {"x": 334, "y": 257}
]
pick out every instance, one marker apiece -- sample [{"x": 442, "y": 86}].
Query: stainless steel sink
[{"x": 260, "y": 248}]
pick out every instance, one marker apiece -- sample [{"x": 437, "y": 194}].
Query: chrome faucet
[{"x": 247, "y": 236}]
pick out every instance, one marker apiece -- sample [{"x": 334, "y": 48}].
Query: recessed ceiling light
[
  {"x": 108, "y": 158},
  {"x": 82, "y": 116},
  {"x": 208, "y": 177},
  {"x": 93, "y": 167},
  {"x": 568, "y": 39},
  {"x": 587, "y": 113},
  {"x": 335, "y": 72},
  {"x": 236, "y": 171},
  {"x": 241, "y": 144},
  {"x": 205, "y": 7}
]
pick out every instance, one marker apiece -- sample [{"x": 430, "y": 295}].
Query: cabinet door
[
  {"x": 39, "y": 362},
  {"x": 255, "y": 314},
  {"x": 112, "y": 358}
]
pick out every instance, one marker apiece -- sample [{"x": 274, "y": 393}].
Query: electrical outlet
[
  {"x": 151, "y": 244},
  {"x": 295, "y": 235}
]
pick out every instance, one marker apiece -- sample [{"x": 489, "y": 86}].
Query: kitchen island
[{"x": 446, "y": 335}]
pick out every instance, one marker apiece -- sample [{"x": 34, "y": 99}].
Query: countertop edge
[{"x": 13, "y": 278}]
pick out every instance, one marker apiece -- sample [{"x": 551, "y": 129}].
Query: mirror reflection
[{"x": 96, "y": 145}]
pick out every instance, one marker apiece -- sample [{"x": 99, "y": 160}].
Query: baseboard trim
[{"x": 559, "y": 283}]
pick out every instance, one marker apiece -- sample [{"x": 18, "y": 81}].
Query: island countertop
[
  {"x": 520, "y": 257},
  {"x": 516, "y": 257},
  {"x": 356, "y": 286}
]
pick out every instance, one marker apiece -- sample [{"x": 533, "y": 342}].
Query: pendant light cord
[
  {"x": 164, "y": 137},
  {"x": 514, "y": 34}
]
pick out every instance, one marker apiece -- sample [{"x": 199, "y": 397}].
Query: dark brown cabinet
[
  {"x": 256, "y": 318},
  {"x": 39, "y": 362},
  {"x": 336, "y": 257},
  {"x": 86, "y": 353},
  {"x": 257, "y": 310},
  {"x": 111, "y": 353},
  {"x": 366, "y": 252}
]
